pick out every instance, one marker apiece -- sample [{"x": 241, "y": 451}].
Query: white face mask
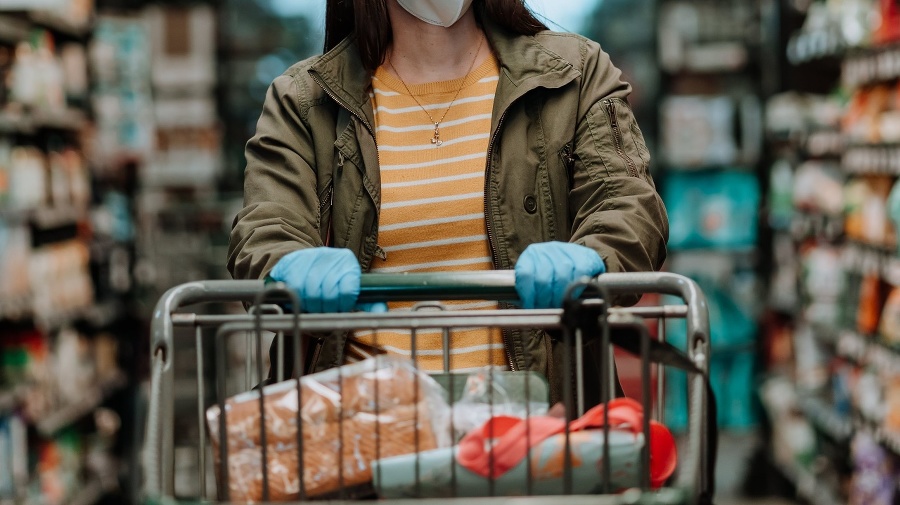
[{"x": 437, "y": 12}]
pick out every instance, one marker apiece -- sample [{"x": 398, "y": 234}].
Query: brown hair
[{"x": 368, "y": 20}]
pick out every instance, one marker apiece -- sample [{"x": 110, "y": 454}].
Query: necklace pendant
[{"x": 436, "y": 140}]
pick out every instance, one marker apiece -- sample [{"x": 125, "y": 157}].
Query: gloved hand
[
  {"x": 326, "y": 279},
  {"x": 545, "y": 270}
]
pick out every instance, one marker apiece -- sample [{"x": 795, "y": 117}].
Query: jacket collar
[{"x": 525, "y": 65}]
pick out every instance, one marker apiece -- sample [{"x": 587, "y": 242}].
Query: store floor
[{"x": 733, "y": 460}]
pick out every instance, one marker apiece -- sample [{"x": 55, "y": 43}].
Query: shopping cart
[{"x": 587, "y": 318}]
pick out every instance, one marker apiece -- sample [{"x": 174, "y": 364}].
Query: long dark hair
[{"x": 368, "y": 19}]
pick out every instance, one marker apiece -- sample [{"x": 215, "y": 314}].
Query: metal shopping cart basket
[{"x": 584, "y": 321}]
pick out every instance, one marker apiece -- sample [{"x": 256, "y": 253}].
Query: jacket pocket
[
  {"x": 326, "y": 204},
  {"x": 618, "y": 139},
  {"x": 568, "y": 158}
]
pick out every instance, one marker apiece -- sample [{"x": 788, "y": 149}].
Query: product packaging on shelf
[
  {"x": 823, "y": 283},
  {"x": 184, "y": 47},
  {"x": 13, "y": 456},
  {"x": 867, "y": 211},
  {"x": 872, "y": 294},
  {"x": 712, "y": 209},
  {"x": 889, "y": 29},
  {"x": 375, "y": 408},
  {"x": 875, "y": 477},
  {"x": 122, "y": 103},
  {"x": 891, "y": 421},
  {"x": 60, "y": 279},
  {"x": 38, "y": 75},
  {"x": 873, "y": 115},
  {"x": 699, "y": 132},
  {"x": 818, "y": 187},
  {"x": 889, "y": 325}
]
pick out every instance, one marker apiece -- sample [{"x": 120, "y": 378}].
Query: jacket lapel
[
  {"x": 525, "y": 65},
  {"x": 341, "y": 74}
]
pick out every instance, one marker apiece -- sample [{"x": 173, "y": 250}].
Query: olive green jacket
[{"x": 566, "y": 162}]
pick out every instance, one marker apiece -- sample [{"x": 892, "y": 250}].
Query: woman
[{"x": 441, "y": 135}]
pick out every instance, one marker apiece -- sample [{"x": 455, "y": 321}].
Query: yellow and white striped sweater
[{"x": 432, "y": 212}]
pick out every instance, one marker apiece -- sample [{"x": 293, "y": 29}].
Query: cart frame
[{"x": 693, "y": 478}]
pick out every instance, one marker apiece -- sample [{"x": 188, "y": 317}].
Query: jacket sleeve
[
  {"x": 615, "y": 206},
  {"x": 281, "y": 212}
]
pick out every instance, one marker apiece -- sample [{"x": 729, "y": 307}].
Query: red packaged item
[
  {"x": 889, "y": 29},
  {"x": 350, "y": 416}
]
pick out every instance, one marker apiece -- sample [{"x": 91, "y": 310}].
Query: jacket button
[{"x": 531, "y": 204}]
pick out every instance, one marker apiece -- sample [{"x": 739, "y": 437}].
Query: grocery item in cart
[
  {"x": 534, "y": 450},
  {"x": 350, "y": 416}
]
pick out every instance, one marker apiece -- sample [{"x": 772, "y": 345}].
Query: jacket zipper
[
  {"x": 490, "y": 231},
  {"x": 344, "y": 105},
  {"x": 617, "y": 137},
  {"x": 315, "y": 357},
  {"x": 568, "y": 157},
  {"x": 349, "y": 109}
]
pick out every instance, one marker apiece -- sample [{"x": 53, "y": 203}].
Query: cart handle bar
[{"x": 490, "y": 285}]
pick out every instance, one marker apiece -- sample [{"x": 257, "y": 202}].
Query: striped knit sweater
[{"x": 432, "y": 213}]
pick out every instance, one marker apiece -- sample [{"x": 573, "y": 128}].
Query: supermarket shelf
[
  {"x": 12, "y": 29},
  {"x": 872, "y": 159},
  {"x": 58, "y": 23},
  {"x": 865, "y": 67},
  {"x": 841, "y": 428},
  {"x": 868, "y": 423},
  {"x": 69, "y": 119},
  {"x": 867, "y": 260},
  {"x": 45, "y": 217},
  {"x": 868, "y": 352},
  {"x": 16, "y": 25},
  {"x": 811, "y": 46},
  {"x": 21, "y": 308},
  {"x": 823, "y": 416},
  {"x": 812, "y": 224},
  {"x": 53, "y": 217},
  {"x": 825, "y": 144},
  {"x": 808, "y": 485},
  {"x": 71, "y": 413},
  {"x": 59, "y": 318}
]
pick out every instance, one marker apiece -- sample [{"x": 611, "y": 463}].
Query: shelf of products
[
  {"x": 833, "y": 178},
  {"x": 794, "y": 421},
  {"x": 872, "y": 160},
  {"x": 710, "y": 143},
  {"x": 863, "y": 259},
  {"x": 53, "y": 422},
  {"x": 808, "y": 486},
  {"x": 871, "y": 66},
  {"x": 61, "y": 380},
  {"x": 835, "y": 425},
  {"x": 812, "y": 224}
]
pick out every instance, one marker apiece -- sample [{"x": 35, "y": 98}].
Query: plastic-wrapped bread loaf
[{"x": 408, "y": 413}]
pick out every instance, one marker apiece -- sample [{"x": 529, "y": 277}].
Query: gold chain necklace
[{"x": 436, "y": 139}]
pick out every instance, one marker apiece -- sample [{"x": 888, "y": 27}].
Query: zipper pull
[
  {"x": 340, "y": 162},
  {"x": 569, "y": 155},
  {"x": 380, "y": 253}
]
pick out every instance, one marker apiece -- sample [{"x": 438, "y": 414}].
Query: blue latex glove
[
  {"x": 326, "y": 279},
  {"x": 545, "y": 270}
]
